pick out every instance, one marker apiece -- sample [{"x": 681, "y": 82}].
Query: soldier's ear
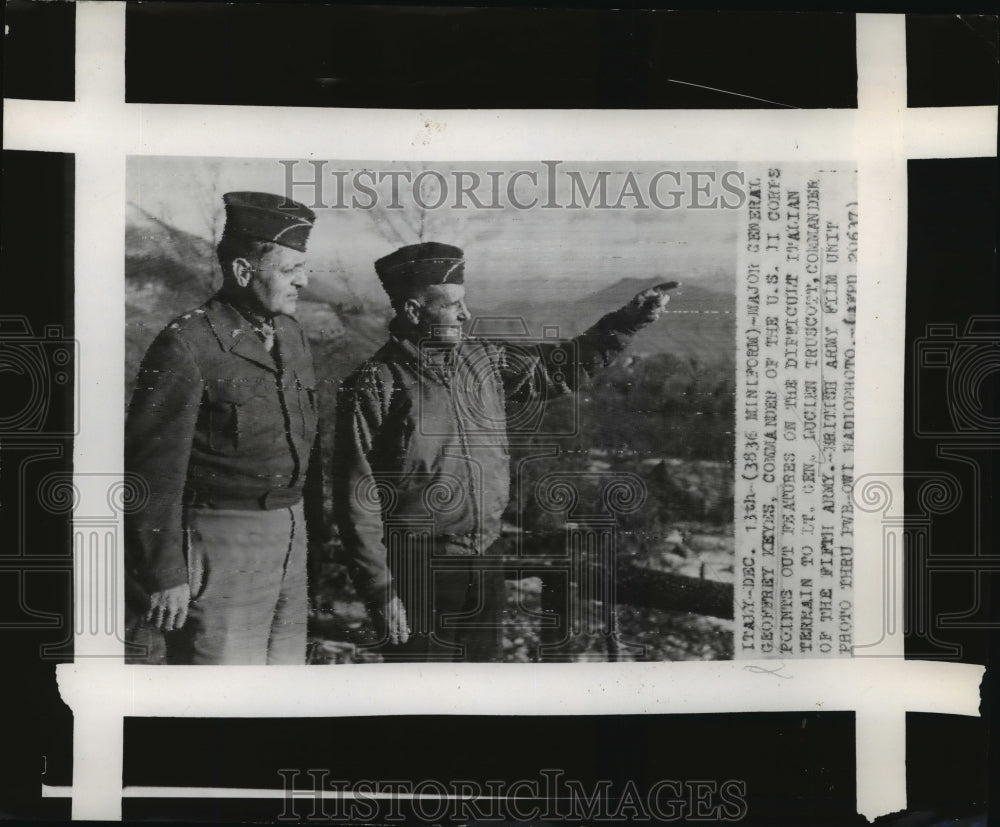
[
  {"x": 411, "y": 310},
  {"x": 241, "y": 271}
]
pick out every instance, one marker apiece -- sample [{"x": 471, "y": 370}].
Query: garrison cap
[
  {"x": 268, "y": 217},
  {"x": 419, "y": 265}
]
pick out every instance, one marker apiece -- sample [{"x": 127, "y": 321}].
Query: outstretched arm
[{"x": 558, "y": 366}]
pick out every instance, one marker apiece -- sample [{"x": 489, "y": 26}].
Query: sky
[{"x": 571, "y": 249}]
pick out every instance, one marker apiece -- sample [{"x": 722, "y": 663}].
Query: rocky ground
[{"x": 339, "y": 627}]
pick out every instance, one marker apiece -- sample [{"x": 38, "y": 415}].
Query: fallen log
[
  {"x": 642, "y": 586},
  {"x": 634, "y": 584}
]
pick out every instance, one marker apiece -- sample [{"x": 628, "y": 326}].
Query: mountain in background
[{"x": 698, "y": 322}]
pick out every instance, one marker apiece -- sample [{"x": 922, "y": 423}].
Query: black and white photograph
[{"x": 506, "y": 428}]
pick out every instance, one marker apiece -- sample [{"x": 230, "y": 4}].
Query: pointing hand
[{"x": 648, "y": 305}]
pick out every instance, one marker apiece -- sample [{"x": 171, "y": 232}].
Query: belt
[{"x": 269, "y": 501}]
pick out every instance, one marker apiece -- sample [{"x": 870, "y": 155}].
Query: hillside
[{"x": 169, "y": 271}]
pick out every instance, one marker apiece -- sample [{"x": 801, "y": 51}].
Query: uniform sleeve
[
  {"x": 313, "y": 492},
  {"x": 158, "y": 434},
  {"x": 557, "y": 367},
  {"x": 356, "y": 507},
  {"x": 599, "y": 346}
]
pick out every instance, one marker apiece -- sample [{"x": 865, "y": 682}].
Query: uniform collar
[
  {"x": 437, "y": 362},
  {"x": 236, "y": 333}
]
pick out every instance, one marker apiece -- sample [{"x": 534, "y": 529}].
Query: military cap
[
  {"x": 268, "y": 217},
  {"x": 419, "y": 265}
]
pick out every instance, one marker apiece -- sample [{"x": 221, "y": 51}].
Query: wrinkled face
[
  {"x": 277, "y": 278},
  {"x": 440, "y": 312}
]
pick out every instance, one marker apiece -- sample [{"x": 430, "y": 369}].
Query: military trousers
[
  {"x": 247, "y": 572},
  {"x": 454, "y": 603}
]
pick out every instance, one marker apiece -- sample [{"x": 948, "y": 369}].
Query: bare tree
[{"x": 403, "y": 226}]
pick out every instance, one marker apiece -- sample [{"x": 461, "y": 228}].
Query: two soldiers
[{"x": 223, "y": 426}]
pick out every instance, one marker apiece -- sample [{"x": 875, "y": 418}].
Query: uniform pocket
[
  {"x": 224, "y": 431},
  {"x": 227, "y": 417}
]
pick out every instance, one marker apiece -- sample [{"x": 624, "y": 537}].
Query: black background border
[{"x": 951, "y": 276}]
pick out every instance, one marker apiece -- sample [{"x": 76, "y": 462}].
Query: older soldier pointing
[
  {"x": 421, "y": 466},
  {"x": 222, "y": 426}
]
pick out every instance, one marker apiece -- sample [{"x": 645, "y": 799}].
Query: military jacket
[
  {"x": 421, "y": 438},
  {"x": 214, "y": 422}
]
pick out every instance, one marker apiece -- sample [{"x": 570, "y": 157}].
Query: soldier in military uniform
[
  {"x": 421, "y": 467},
  {"x": 222, "y": 427}
]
